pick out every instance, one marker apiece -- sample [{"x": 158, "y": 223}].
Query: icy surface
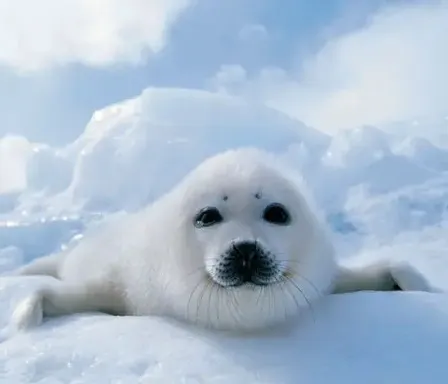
[
  {"x": 131, "y": 153},
  {"x": 357, "y": 338},
  {"x": 385, "y": 196}
]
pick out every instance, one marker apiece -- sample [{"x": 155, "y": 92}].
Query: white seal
[{"x": 236, "y": 245}]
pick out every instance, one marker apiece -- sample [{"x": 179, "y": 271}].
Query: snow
[
  {"x": 14, "y": 152},
  {"x": 384, "y": 196},
  {"x": 144, "y": 136},
  {"x": 362, "y": 337}
]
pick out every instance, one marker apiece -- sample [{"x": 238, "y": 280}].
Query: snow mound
[
  {"x": 354, "y": 338},
  {"x": 366, "y": 158},
  {"x": 48, "y": 170},
  {"x": 424, "y": 153},
  {"x": 132, "y": 152},
  {"x": 377, "y": 178},
  {"x": 408, "y": 209},
  {"x": 358, "y": 147},
  {"x": 14, "y": 154},
  {"x": 381, "y": 176}
]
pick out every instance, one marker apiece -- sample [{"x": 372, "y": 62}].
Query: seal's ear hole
[
  {"x": 276, "y": 214},
  {"x": 207, "y": 217}
]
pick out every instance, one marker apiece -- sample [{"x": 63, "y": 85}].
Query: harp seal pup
[{"x": 236, "y": 245}]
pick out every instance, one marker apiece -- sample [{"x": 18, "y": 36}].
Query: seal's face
[
  {"x": 244, "y": 260},
  {"x": 250, "y": 244}
]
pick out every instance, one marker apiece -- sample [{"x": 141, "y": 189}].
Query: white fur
[{"x": 154, "y": 262}]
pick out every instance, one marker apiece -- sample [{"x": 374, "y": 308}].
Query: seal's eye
[
  {"x": 276, "y": 214},
  {"x": 207, "y": 217}
]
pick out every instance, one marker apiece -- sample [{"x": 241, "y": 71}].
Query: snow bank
[
  {"x": 356, "y": 338},
  {"x": 424, "y": 153},
  {"x": 410, "y": 208},
  {"x": 48, "y": 170},
  {"x": 132, "y": 152}
]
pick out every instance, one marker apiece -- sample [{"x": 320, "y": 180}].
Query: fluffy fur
[{"x": 157, "y": 262}]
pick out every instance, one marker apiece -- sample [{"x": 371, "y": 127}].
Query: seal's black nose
[
  {"x": 245, "y": 260},
  {"x": 245, "y": 250}
]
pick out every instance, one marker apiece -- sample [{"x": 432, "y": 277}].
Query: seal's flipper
[
  {"x": 373, "y": 277},
  {"x": 380, "y": 276},
  {"x": 28, "y": 314},
  {"x": 409, "y": 278},
  {"x": 63, "y": 299}
]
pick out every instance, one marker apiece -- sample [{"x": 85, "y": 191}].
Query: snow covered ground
[{"x": 384, "y": 195}]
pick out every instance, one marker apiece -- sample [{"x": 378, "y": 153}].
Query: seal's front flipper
[
  {"x": 373, "y": 277},
  {"x": 64, "y": 299},
  {"x": 383, "y": 275},
  {"x": 47, "y": 302},
  {"x": 409, "y": 278},
  {"x": 29, "y": 313}
]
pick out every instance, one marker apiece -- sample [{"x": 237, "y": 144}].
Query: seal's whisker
[
  {"x": 236, "y": 306},
  {"x": 290, "y": 271},
  {"x": 310, "y": 283},
  {"x": 282, "y": 287},
  {"x": 293, "y": 283},
  {"x": 230, "y": 301},
  {"x": 191, "y": 296},
  {"x": 211, "y": 294},
  {"x": 205, "y": 287}
]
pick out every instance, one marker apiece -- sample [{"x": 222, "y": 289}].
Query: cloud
[
  {"x": 394, "y": 68},
  {"x": 40, "y": 34},
  {"x": 253, "y": 33}
]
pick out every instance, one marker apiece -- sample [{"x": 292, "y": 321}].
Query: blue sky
[{"x": 52, "y": 104}]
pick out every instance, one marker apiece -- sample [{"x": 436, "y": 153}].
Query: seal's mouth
[{"x": 245, "y": 263}]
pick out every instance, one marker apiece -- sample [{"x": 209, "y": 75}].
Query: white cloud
[
  {"x": 41, "y": 34},
  {"x": 395, "y": 68}
]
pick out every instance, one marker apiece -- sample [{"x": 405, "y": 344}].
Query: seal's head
[{"x": 256, "y": 252}]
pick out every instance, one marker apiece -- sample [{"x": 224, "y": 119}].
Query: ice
[
  {"x": 411, "y": 208},
  {"x": 14, "y": 152},
  {"x": 10, "y": 258},
  {"x": 120, "y": 161},
  {"x": 365, "y": 158},
  {"x": 384, "y": 195},
  {"x": 48, "y": 170},
  {"x": 358, "y": 147},
  {"x": 364, "y": 337},
  {"x": 424, "y": 153},
  {"x": 39, "y": 237}
]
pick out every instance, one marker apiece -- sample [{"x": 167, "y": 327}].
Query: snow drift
[
  {"x": 132, "y": 152},
  {"x": 357, "y": 338}
]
